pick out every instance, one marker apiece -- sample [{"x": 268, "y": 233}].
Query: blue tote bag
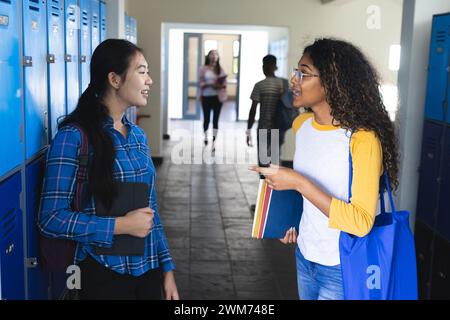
[{"x": 381, "y": 265}]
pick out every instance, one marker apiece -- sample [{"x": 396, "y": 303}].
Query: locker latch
[
  {"x": 9, "y": 249},
  {"x": 68, "y": 58},
  {"x": 28, "y": 61},
  {"x": 83, "y": 59},
  {"x": 31, "y": 262},
  {"x": 50, "y": 58}
]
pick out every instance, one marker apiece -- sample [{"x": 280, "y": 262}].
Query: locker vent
[
  {"x": 6, "y": 1},
  {"x": 432, "y": 143},
  {"x": 8, "y": 223},
  {"x": 55, "y": 12},
  {"x": 440, "y": 36},
  {"x": 72, "y": 16},
  {"x": 55, "y": 1},
  {"x": 34, "y": 7},
  {"x": 85, "y": 18}
]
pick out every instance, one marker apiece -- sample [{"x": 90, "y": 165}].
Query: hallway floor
[{"x": 205, "y": 210}]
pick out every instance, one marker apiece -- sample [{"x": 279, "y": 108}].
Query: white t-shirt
[{"x": 326, "y": 164}]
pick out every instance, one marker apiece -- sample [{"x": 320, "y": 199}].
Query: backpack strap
[{"x": 81, "y": 177}]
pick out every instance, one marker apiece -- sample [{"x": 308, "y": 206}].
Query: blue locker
[
  {"x": 38, "y": 279},
  {"x": 133, "y": 30},
  {"x": 127, "y": 27},
  {"x": 95, "y": 13},
  {"x": 35, "y": 76},
  {"x": 85, "y": 44},
  {"x": 427, "y": 198},
  {"x": 443, "y": 222},
  {"x": 437, "y": 83},
  {"x": 56, "y": 63},
  {"x": 72, "y": 25},
  {"x": 102, "y": 21},
  {"x": 11, "y": 149},
  {"x": 11, "y": 239}
]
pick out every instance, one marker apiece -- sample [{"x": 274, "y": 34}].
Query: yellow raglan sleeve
[
  {"x": 358, "y": 216},
  {"x": 301, "y": 118}
]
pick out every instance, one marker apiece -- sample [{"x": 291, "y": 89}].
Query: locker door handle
[
  {"x": 10, "y": 249},
  {"x": 27, "y": 61},
  {"x": 68, "y": 58},
  {"x": 51, "y": 58},
  {"x": 31, "y": 262},
  {"x": 83, "y": 59},
  {"x": 45, "y": 120}
]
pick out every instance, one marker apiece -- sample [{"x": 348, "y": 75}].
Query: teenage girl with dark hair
[
  {"x": 118, "y": 152},
  {"x": 212, "y": 92},
  {"x": 341, "y": 89}
]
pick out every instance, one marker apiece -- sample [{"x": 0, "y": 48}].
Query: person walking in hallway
[{"x": 212, "y": 83}]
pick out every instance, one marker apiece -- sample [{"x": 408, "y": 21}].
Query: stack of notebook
[{"x": 276, "y": 212}]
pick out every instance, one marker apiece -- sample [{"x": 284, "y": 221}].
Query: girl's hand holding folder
[
  {"x": 136, "y": 223},
  {"x": 290, "y": 237}
]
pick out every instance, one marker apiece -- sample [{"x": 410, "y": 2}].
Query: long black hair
[
  {"x": 352, "y": 91},
  {"x": 112, "y": 55},
  {"x": 217, "y": 68}
]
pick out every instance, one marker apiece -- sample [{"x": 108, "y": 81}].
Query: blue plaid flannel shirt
[{"x": 132, "y": 164}]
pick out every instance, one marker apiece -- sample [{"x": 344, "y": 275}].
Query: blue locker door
[
  {"x": 429, "y": 171},
  {"x": 443, "y": 223},
  {"x": 437, "y": 68},
  {"x": 35, "y": 76},
  {"x": 95, "y": 12},
  {"x": 127, "y": 27},
  {"x": 11, "y": 149},
  {"x": 56, "y": 64},
  {"x": 11, "y": 239},
  {"x": 133, "y": 30},
  {"x": 38, "y": 279},
  {"x": 102, "y": 21},
  {"x": 85, "y": 44},
  {"x": 72, "y": 25}
]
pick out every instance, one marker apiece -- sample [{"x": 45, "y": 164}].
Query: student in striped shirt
[
  {"x": 118, "y": 152},
  {"x": 347, "y": 115}
]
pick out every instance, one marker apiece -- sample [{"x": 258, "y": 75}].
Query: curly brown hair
[{"x": 352, "y": 88}]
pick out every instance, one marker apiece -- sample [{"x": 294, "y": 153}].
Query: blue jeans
[{"x": 316, "y": 281}]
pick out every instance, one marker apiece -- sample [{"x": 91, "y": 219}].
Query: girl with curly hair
[{"x": 340, "y": 89}]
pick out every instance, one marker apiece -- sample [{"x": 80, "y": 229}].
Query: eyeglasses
[{"x": 299, "y": 75}]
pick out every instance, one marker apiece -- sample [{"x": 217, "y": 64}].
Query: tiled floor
[{"x": 205, "y": 210}]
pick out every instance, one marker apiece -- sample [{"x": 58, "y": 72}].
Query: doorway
[{"x": 196, "y": 47}]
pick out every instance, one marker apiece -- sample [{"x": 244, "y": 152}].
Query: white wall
[
  {"x": 412, "y": 78},
  {"x": 115, "y": 19}
]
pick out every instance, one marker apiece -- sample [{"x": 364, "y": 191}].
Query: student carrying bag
[
  {"x": 382, "y": 264},
  {"x": 58, "y": 254}
]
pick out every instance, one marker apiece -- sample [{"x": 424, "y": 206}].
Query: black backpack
[
  {"x": 286, "y": 113},
  {"x": 58, "y": 254}
]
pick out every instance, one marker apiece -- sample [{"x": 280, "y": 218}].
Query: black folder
[{"x": 130, "y": 196}]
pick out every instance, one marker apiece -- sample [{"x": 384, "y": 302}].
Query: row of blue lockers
[
  {"x": 45, "y": 59},
  {"x": 433, "y": 205},
  {"x": 45, "y": 56},
  {"x": 432, "y": 229}
]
